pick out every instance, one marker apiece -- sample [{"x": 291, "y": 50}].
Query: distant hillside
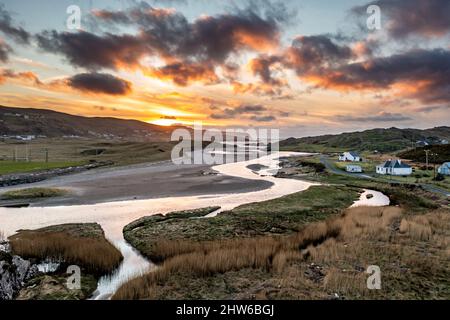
[
  {"x": 383, "y": 140},
  {"x": 18, "y": 121},
  {"x": 438, "y": 154}
]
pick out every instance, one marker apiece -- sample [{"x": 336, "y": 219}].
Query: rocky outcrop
[{"x": 14, "y": 272}]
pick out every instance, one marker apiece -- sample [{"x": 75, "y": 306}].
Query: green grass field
[
  {"x": 7, "y": 167},
  {"x": 368, "y": 167}
]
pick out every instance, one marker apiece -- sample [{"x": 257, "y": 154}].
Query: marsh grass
[
  {"x": 343, "y": 246},
  {"x": 95, "y": 254},
  {"x": 33, "y": 193}
]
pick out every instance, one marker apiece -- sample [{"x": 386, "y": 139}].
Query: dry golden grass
[
  {"x": 345, "y": 282},
  {"x": 360, "y": 237},
  {"x": 97, "y": 255}
]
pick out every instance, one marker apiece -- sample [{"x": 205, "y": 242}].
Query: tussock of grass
[
  {"x": 286, "y": 266},
  {"x": 33, "y": 193},
  {"x": 90, "y": 251}
]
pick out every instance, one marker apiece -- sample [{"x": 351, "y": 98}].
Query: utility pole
[
  {"x": 426, "y": 157},
  {"x": 434, "y": 165},
  {"x": 46, "y": 155}
]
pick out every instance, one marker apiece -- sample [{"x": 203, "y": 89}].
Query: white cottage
[
  {"x": 353, "y": 168},
  {"x": 350, "y": 156},
  {"x": 445, "y": 169},
  {"x": 395, "y": 168}
]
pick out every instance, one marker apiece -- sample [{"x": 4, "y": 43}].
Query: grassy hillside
[
  {"x": 442, "y": 154},
  {"x": 21, "y": 121},
  {"x": 383, "y": 140}
]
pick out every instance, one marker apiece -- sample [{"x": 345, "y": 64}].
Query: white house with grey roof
[
  {"x": 445, "y": 169},
  {"x": 350, "y": 156},
  {"x": 394, "y": 168}
]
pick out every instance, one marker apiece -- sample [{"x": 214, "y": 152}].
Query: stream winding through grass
[{"x": 113, "y": 216}]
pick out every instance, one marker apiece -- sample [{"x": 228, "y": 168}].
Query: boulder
[{"x": 14, "y": 272}]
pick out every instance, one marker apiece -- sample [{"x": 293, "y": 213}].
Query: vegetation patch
[
  {"x": 151, "y": 235},
  {"x": 9, "y": 167},
  {"x": 441, "y": 154},
  {"x": 33, "y": 193},
  {"x": 325, "y": 259},
  {"x": 80, "y": 244}
]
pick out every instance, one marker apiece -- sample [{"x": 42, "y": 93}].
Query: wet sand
[{"x": 138, "y": 182}]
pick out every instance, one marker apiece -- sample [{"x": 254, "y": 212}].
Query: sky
[{"x": 306, "y": 67}]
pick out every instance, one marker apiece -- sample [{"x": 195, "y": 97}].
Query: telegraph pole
[{"x": 426, "y": 157}]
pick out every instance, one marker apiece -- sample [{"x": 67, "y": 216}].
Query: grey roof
[
  {"x": 354, "y": 154},
  {"x": 395, "y": 164}
]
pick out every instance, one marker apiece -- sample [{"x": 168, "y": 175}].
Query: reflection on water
[
  {"x": 114, "y": 216},
  {"x": 378, "y": 199},
  {"x": 133, "y": 265}
]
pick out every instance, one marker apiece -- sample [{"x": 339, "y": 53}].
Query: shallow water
[
  {"x": 378, "y": 199},
  {"x": 113, "y": 216}
]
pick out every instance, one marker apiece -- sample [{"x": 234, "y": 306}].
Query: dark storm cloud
[
  {"x": 261, "y": 66},
  {"x": 84, "y": 49},
  {"x": 420, "y": 74},
  {"x": 191, "y": 50},
  {"x": 427, "y": 18},
  {"x": 99, "y": 83},
  {"x": 5, "y": 51},
  {"x": 314, "y": 52},
  {"x": 380, "y": 117},
  {"x": 210, "y": 38},
  {"x": 10, "y": 29},
  {"x": 184, "y": 73}
]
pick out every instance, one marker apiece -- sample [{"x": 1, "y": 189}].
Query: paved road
[{"x": 330, "y": 166}]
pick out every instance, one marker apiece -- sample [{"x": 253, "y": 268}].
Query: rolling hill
[
  {"x": 438, "y": 154},
  {"x": 39, "y": 122},
  {"x": 383, "y": 140}
]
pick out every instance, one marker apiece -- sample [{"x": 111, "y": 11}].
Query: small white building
[
  {"x": 350, "y": 156},
  {"x": 394, "y": 168},
  {"x": 445, "y": 169},
  {"x": 353, "y": 168}
]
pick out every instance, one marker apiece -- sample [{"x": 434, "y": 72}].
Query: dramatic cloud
[
  {"x": 5, "y": 51},
  {"x": 99, "y": 83},
  {"x": 310, "y": 53},
  {"x": 28, "y": 76},
  {"x": 258, "y": 113},
  {"x": 190, "y": 51},
  {"x": 263, "y": 118},
  {"x": 419, "y": 74},
  {"x": 84, "y": 49},
  {"x": 429, "y": 18},
  {"x": 183, "y": 74},
  {"x": 380, "y": 117},
  {"x": 230, "y": 113},
  {"x": 8, "y": 27},
  {"x": 262, "y": 66}
]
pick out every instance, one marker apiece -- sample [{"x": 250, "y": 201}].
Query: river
[{"x": 113, "y": 216}]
